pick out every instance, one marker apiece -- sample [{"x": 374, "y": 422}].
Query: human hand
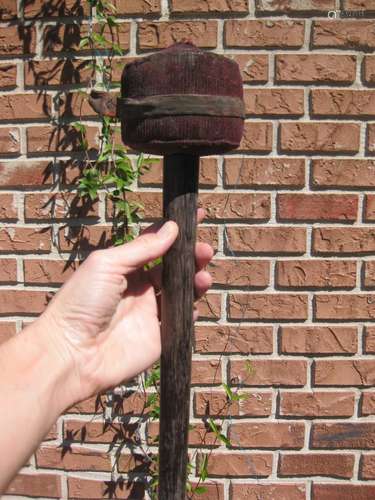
[{"x": 104, "y": 321}]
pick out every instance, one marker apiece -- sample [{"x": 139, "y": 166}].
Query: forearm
[{"x": 32, "y": 395}]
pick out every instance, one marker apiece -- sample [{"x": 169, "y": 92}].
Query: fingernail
[{"x": 166, "y": 229}]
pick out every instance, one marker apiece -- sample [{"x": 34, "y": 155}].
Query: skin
[{"x": 101, "y": 329}]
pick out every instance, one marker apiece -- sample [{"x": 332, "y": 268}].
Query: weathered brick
[
  {"x": 159, "y": 35},
  {"x": 55, "y": 8},
  {"x": 7, "y": 330},
  {"x": 48, "y": 272},
  {"x": 209, "y": 306},
  {"x": 266, "y": 240},
  {"x": 57, "y": 72},
  {"x": 343, "y": 435},
  {"x": 239, "y": 272},
  {"x": 367, "y": 6},
  {"x": 297, "y": 465},
  {"x": 74, "y": 105},
  {"x": 264, "y": 34},
  {"x": 369, "y": 208},
  {"x": 360, "y": 372},
  {"x": 216, "y": 404},
  {"x": 59, "y": 139},
  {"x": 315, "y": 68},
  {"x": 367, "y": 406},
  {"x": 46, "y": 206},
  {"x": 368, "y": 70},
  {"x": 369, "y": 340},
  {"x": 274, "y": 102},
  {"x": 318, "y": 340},
  {"x": 256, "y": 491},
  {"x": 345, "y": 307},
  {"x": 371, "y": 138},
  {"x": 317, "y": 404},
  {"x": 24, "y": 107},
  {"x": 343, "y": 102},
  {"x": 342, "y": 33},
  {"x": 22, "y": 239},
  {"x": 316, "y": 207},
  {"x": 133, "y": 462},
  {"x": 198, "y": 6},
  {"x": 335, "y": 240},
  {"x": 267, "y": 172},
  {"x": 75, "y": 458},
  {"x": 267, "y": 435},
  {"x": 343, "y": 491},
  {"x": 294, "y": 7},
  {"x": 253, "y": 67},
  {"x": 94, "y": 431},
  {"x": 199, "y": 435},
  {"x": 319, "y": 137},
  {"x": 8, "y": 207},
  {"x": 233, "y": 339},
  {"x": 8, "y": 271},
  {"x": 206, "y": 372},
  {"x": 343, "y": 173},
  {"x": 98, "y": 489},
  {"x": 316, "y": 273},
  {"x": 367, "y": 467},
  {"x": 17, "y": 40},
  {"x": 8, "y": 76},
  {"x": 9, "y": 141},
  {"x": 35, "y": 485},
  {"x": 142, "y": 7},
  {"x": 236, "y": 206},
  {"x": 16, "y": 302},
  {"x": 237, "y": 464},
  {"x": 257, "y": 137},
  {"x": 273, "y": 372},
  {"x": 25, "y": 173},
  {"x": 84, "y": 238},
  {"x": 267, "y": 306},
  {"x": 8, "y": 10}
]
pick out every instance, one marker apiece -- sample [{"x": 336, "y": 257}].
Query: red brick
[
  {"x": 232, "y": 206},
  {"x": 368, "y": 70},
  {"x": 369, "y": 340},
  {"x": 94, "y": 432},
  {"x": 8, "y": 76},
  {"x": 371, "y": 138},
  {"x": 214, "y": 491},
  {"x": 35, "y": 485},
  {"x": 267, "y": 435},
  {"x": 266, "y": 240},
  {"x": 9, "y": 141},
  {"x": 208, "y": 234},
  {"x": 74, "y": 105},
  {"x": 343, "y": 435},
  {"x": 66, "y": 37},
  {"x": 253, "y": 67},
  {"x": 343, "y": 103},
  {"x": 316, "y": 273},
  {"x": 48, "y": 272},
  {"x": 17, "y": 40},
  {"x": 345, "y": 34},
  {"x": 47, "y": 206},
  {"x": 274, "y": 102},
  {"x": 294, "y": 7},
  {"x": 159, "y": 35},
  {"x": 360, "y": 372},
  {"x": 299, "y": 465},
  {"x": 74, "y": 458},
  {"x": 267, "y": 491},
  {"x": 8, "y": 271},
  {"x": 209, "y": 306},
  {"x": 198, "y": 6},
  {"x": 216, "y": 404},
  {"x": 25, "y": 173},
  {"x": 239, "y": 272},
  {"x": 7, "y": 330},
  {"x": 233, "y": 339},
  {"x": 142, "y": 7},
  {"x": 343, "y": 491},
  {"x": 237, "y": 465},
  {"x": 207, "y": 174},
  {"x": 316, "y": 207},
  {"x": 22, "y": 239},
  {"x": 199, "y": 435},
  {"x": 318, "y": 340},
  {"x": 343, "y": 173},
  {"x": 335, "y": 240},
  {"x": 48, "y": 139},
  {"x": 367, "y": 406},
  {"x": 315, "y": 68},
  {"x": 367, "y": 467},
  {"x": 133, "y": 462},
  {"x": 345, "y": 307},
  {"x": 70, "y": 8},
  {"x": 24, "y": 106},
  {"x": 16, "y": 302},
  {"x": 317, "y": 404},
  {"x": 98, "y": 489},
  {"x": 268, "y": 172},
  {"x": 264, "y": 34},
  {"x": 369, "y": 214},
  {"x": 206, "y": 372},
  {"x": 367, "y": 6},
  {"x": 57, "y": 72},
  {"x": 257, "y": 137},
  {"x": 270, "y": 307},
  {"x": 270, "y": 372},
  {"x": 84, "y": 238},
  {"x": 8, "y": 207},
  {"x": 319, "y": 137},
  {"x": 8, "y": 10},
  {"x": 89, "y": 406}
]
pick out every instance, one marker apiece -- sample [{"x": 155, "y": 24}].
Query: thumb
[{"x": 145, "y": 248}]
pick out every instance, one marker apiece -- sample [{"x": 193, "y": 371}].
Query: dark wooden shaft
[{"x": 180, "y": 190}]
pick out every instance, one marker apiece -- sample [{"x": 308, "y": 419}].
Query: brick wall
[{"x": 290, "y": 215}]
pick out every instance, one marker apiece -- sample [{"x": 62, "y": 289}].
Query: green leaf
[
  {"x": 84, "y": 41},
  {"x": 203, "y": 468},
  {"x": 199, "y": 490}
]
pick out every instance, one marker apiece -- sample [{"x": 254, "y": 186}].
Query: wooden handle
[{"x": 180, "y": 204}]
